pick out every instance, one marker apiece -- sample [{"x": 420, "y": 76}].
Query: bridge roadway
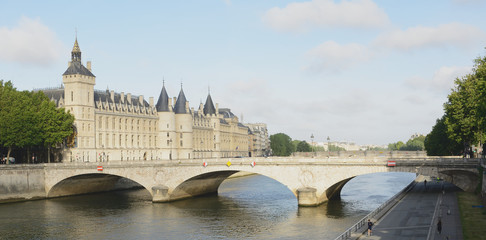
[{"x": 312, "y": 180}]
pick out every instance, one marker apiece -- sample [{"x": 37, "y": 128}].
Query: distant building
[
  {"x": 112, "y": 126},
  {"x": 259, "y": 143}
]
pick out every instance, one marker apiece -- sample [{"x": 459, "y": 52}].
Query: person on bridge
[{"x": 370, "y": 225}]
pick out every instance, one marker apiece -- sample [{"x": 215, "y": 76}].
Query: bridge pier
[
  {"x": 307, "y": 197},
  {"x": 160, "y": 193}
]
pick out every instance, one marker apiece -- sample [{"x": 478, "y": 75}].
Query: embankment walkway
[{"x": 416, "y": 215}]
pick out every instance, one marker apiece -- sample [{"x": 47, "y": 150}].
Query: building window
[
  {"x": 72, "y": 96},
  {"x": 181, "y": 144}
]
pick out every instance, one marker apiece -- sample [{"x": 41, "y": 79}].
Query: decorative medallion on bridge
[
  {"x": 205, "y": 164},
  {"x": 100, "y": 168},
  {"x": 228, "y": 163},
  {"x": 253, "y": 164}
]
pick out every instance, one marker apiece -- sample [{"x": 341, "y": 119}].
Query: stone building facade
[{"x": 112, "y": 126}]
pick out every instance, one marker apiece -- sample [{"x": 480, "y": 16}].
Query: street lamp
[
  {"x": 312, "y": 142},
  {"x": 328, "y": 146}
]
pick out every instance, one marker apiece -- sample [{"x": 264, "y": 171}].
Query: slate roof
[
  {"x": 180, "y": 106},
  {"x": 226, "y": 112},
  {"x": 77, "y": 68},
  {"x": 163, "y": 102},
  {"x": 54, "y": 94},
  {"x": 209, "y": 106},
  {"x": 104, "y": 96}
]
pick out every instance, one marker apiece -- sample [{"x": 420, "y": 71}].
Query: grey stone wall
[{"x": 21, "y": 182}]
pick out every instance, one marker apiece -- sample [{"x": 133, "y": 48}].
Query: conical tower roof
[
  {"x": 209, "y": 106},
  {"x": 163, "y": 102},
  {"x": 180, "y": 106}
]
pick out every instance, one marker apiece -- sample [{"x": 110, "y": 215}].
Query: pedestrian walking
[
  {"x": 370, "y": 225},
  {"x": 425, "y": 184},
  {"x": 439, "y": 226}
]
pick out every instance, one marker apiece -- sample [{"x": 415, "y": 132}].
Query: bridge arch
[
  {"x": 91, "y": 183},
  {"x": 208, "y": 183}
]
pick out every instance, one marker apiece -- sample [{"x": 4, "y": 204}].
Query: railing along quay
[{"x": 380, "y": 210}]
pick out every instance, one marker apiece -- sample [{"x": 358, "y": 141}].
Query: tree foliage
[
  {"x": 413, "y": 144},
  {"x": 303, "y": 146},
  {"x": 29, "y": 119},
  {"x": 281, "y": 144},
  {"x": 463, "y": 123},
  {"x": 437, "y": 143}
]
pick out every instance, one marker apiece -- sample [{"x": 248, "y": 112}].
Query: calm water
[{"x": 253, "y": 207}]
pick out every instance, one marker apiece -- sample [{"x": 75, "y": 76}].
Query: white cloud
[
  {"x": 334, "y": 57},
  {"x": 298, "y": 17},
  {"x": 455, "y": 34},
  {"x": 30, "y": 42},
  {"x": 442, "y": 80}
]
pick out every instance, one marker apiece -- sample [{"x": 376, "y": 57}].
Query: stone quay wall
[{"x": 21, "y": 182}]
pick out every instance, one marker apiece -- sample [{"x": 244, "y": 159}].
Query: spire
[
  {"x": 163, "y": 102},
  {"x": 76, "y": 52},
  {"x": 180, "y": 106},
  {"x": 75, "y": 66},
  {"x": 209, "y": 106}
]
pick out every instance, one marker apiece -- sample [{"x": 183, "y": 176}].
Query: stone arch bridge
[{"x": 312, "y": 180}]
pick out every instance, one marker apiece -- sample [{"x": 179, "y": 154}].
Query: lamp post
[
  {"x": 312, "y": 142},
  {"x": 328, "y": 147}
]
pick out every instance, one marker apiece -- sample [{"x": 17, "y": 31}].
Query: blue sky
[{"x": 370, "y": 72}]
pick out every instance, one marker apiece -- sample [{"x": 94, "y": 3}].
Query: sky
[{"x": 362, "y": 71}]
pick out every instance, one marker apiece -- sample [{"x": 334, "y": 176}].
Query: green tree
[
  {"x": 303, "y": 146},
  {"x": 396, "y": 146},
  {"x": 437, "y": 142},
  {"x": 30, "y": 119},
  {"x": 461, "y": 108},
  {"x": 414, "y": 144},
  {"x": 55, "y": 123},
  {"x": 281, "y": 144},
  {"x": 17, "y": 121}
]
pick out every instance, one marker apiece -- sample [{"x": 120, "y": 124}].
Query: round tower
[{"x": 166, "y": 127}]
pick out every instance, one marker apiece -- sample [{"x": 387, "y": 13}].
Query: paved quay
[{"x": 416, "y": 215}]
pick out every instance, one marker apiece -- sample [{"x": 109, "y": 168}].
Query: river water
[{"x": 253, "y": 207}]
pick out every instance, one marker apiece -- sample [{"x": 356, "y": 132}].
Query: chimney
[
  {"x": 88, "y": 65},
  {"x": 112, "y": 95},
  {"x": 129, "y": 98},
  {"x": 151, "y": 101},
  {"x": 122, "y": 97},
  {"x": 170, "y": 104},
  {"x": 140, "y": 99}
]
